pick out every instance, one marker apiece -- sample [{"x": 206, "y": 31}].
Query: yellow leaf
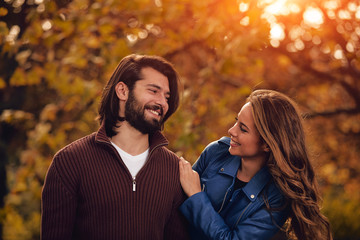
[
  {"x": 92, "y": 42},
  {"x": 2, "y": 83},
  {"x": 3, "y": 11},
  {"x": 18, "y": 78},
  {"x": 35, "y": 75},
  {"x": 49, "y": 112},
  {"x": 22, "y": 56}
]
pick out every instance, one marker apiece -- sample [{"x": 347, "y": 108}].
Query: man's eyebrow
[{"x": 153, "y": 85}]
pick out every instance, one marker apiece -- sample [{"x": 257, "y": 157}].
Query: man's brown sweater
[{"x": 90, "y": 194}]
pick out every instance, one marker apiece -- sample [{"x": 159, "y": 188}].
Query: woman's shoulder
[
  {"x": 221, "y": 145},
  {"x": 215, "y": 154},
  {"x": 216, "y": 149}
]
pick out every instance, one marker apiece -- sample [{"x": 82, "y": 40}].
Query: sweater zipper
[
  {"x": 134, "y": 184},
  {"x": 134, "y": 177}
]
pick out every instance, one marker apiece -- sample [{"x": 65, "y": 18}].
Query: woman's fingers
[
  {"x": 189, "y": 178},
  {"x": 184, "y": 165}
]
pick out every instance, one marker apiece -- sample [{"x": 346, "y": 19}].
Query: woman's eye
[{"x": 243, "y": 129}]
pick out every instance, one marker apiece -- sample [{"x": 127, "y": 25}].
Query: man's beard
[{"x": 135, "y": 116}]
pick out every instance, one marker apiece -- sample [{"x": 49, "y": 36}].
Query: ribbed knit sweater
[{"x": 90, "y": 194}]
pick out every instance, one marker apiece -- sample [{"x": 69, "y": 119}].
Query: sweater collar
[{"x": 156, "y": 139}]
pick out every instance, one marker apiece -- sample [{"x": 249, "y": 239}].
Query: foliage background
[{"x": 55, "y": 57}]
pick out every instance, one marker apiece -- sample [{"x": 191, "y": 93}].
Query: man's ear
[{"x": 122, "y": 91}]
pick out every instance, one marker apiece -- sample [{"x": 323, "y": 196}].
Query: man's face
[{"x": 148, "y": 101}]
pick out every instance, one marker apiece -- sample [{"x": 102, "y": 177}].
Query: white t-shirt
[{"x": 133, "y": 163}]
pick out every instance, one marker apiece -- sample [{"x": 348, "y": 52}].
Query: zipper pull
[{"x": 134, "y": 184}]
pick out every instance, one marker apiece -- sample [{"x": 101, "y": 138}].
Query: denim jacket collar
[{"x": 253, "y": 188}]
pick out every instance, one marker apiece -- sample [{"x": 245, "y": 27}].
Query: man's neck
[{"x": 130, "y": 139}]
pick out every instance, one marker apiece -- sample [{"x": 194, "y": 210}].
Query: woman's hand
[{"x": 189, "y": 178}]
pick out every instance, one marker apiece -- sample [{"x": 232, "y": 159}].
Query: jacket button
[
  {"x": 252, "y": 196},
  {"x": 222, "y": 169}
]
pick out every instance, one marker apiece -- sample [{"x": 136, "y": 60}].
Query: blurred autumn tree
[{"x": 57, "y": 55}]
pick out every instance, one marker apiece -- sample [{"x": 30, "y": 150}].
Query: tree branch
[{"x": 350, "y": 111}]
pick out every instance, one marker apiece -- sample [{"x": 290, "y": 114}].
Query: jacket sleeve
[
  {"x": 58, "y": 205},
  {"x": 200, "y": 213},
  {"x": 215, "y": 150},
  {"x": 203, "y": 161},
  {"x": 200, "y": 164}
]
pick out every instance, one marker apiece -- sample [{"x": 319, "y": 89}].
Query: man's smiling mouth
[{"x": 156, "y": 110}]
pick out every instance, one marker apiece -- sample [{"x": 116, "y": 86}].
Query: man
[{"x": 120, "y": 182}]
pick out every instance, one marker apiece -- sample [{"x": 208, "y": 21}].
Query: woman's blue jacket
[{"x": 219, "y": 212}]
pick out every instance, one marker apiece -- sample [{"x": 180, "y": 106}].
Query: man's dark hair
[{"x": 128, "y": 71}]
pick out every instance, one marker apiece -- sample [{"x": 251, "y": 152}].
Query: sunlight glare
[
  {"x": 243, "y": 7},
  {"x": 316, "y": 40},
  {"x": 294, "y": 8},
  {"x": 299, "y": 45},
  {"x": 13, "y": 34},
  {"x": 277, "y": 8},
  {"x": 46, "y": 25},
  {"x": 352, "y": 7},
  {"x": 158, "y": 3},
  {"x": 313, "y": 17},
  {"x": 331, "y": 5},
  {"x": 343, "y": 14},
  {"x": 245, "y": 21},
  {"x": 132, "y": 38},
  {"x": 338, "y": 54},
  {"x": 296, "y": 32},
  {"x": 280, "y": 7},
  {"x": 350, "y": 47},
  {"x": 143, "y": 34},
  {"x": 270, "y": 18},
  {"x": 277, "y": 32}
]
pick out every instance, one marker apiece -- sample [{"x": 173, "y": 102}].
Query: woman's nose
[{"x": 231, "y": 131}]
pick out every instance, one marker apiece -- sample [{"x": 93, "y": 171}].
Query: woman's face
[{"x": 245, "y": 138}]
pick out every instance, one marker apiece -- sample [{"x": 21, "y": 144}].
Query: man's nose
[{"x": 161, "y": 100}]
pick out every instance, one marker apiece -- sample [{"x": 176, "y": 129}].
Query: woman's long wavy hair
[{"x": 280, "y": 126}]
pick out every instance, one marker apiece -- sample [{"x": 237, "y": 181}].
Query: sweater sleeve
[
  {"x": 58, "y": 205},
  {"x": 176, "y": 227}
]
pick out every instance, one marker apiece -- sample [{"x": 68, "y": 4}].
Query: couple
[{"x": 123, "y": 183}]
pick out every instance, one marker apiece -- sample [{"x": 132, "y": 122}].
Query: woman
[{"x": 253, "y": 182}]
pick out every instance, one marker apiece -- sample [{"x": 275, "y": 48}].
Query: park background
[{"x": 56, "y": 56}]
